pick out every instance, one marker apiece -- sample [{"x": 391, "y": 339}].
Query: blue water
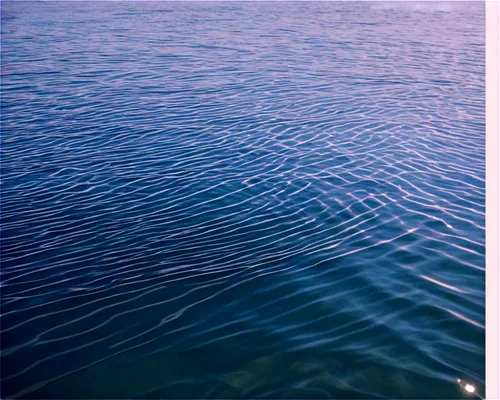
[{"x": 242, "y": 200}]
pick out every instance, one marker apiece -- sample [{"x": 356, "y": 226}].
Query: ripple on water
[{"x": 242, "y": 201}]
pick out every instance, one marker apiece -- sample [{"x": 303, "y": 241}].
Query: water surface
[{"x": 242, "y": 200}]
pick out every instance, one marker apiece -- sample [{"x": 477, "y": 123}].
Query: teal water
[{"x": 242, "y": 200}]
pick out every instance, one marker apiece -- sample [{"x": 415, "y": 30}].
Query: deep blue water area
[{"x": 242, "y": 200}]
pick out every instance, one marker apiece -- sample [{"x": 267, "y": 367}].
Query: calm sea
[{"x": 242, "y": 200}]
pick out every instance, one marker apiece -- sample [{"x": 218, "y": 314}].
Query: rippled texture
[{"x": 229, "y": 200}]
